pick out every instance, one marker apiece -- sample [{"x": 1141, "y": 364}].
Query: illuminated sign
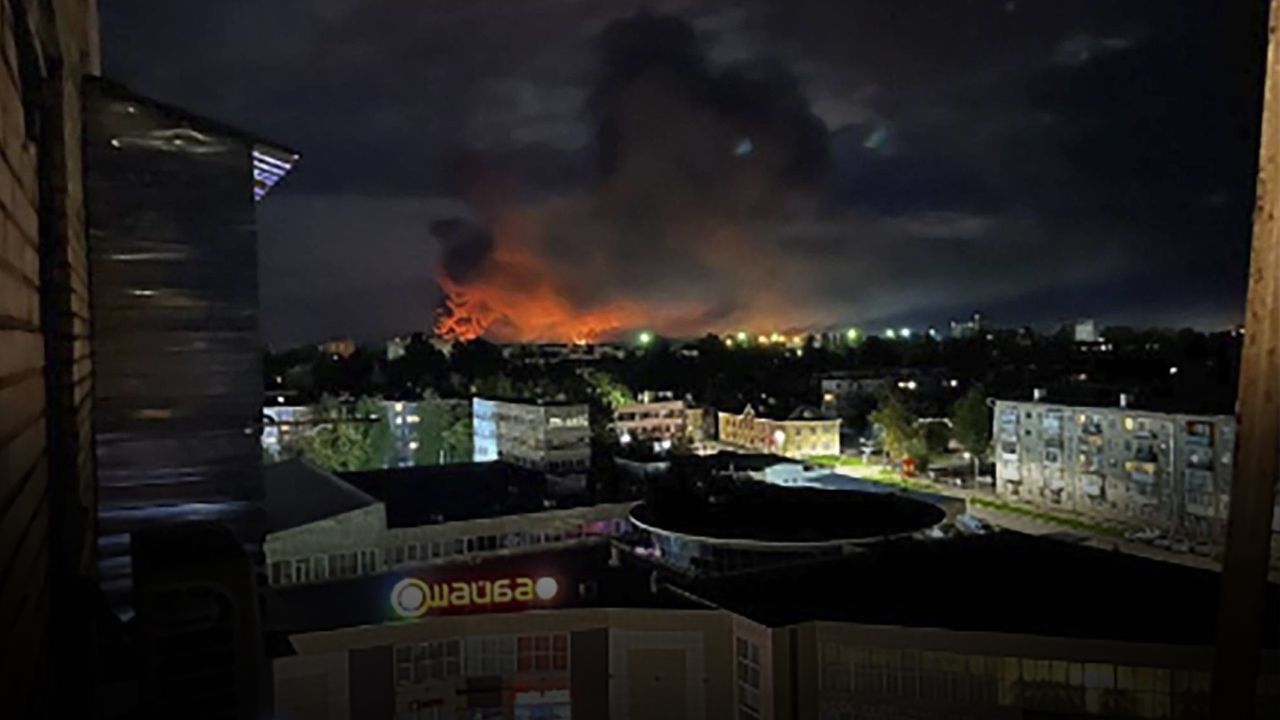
[{"x": 413, "y": 597}]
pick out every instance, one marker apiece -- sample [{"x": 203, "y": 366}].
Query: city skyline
[{"x": 1091, "y": 161}]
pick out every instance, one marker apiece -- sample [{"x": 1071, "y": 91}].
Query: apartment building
[
  {"x": 804, "y": 434},
  {"x": 1118, "y": 464},
  {"x": 550, "y": 437},
  {"x": 658, "y": 421}
]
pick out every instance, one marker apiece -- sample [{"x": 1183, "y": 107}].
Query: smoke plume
[{"x": 696, "y": 167}]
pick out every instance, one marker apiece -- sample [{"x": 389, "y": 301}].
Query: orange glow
[{"x": 514, "y": 300}]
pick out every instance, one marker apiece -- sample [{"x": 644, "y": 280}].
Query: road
[{"x": 1038, "y": 526}]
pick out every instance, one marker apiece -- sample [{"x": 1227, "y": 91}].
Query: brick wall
[{"x": 46, "y": 476}]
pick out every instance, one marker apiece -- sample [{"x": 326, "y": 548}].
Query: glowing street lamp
[
  {"x": 742, "y": 337},
  {"x": 851, "y": 334},
  {"x": 890, "y": 333},
  {"x": 905, "y": 333},
  {"x": 646, "y": 338}
]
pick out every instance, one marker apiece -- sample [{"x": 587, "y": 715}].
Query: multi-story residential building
[
  {"x": 659, "y": 421},
  {"x": 1119, "y": 464},
  {"x": 551, "y": 437},
  {"x": 324, "y": 527},
  {"x": 804, "y": 434},
  {"x": 283, "y": 424},
  {"x": 967, "y": 328},
  {"x": 398, "y": 346},
  {"x": 339, "y": 347},
  {"x": 1085, "y": 331},
  {"x": 841, "y": 392}
]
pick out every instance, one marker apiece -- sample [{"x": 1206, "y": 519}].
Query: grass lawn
[{"x": 1065, "y": 520}]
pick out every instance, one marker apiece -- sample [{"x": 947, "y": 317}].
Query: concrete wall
[
  {"x": 792, "y": 438},
  {"x": 46, "y": 471},
  {"x": 551, "y": 438},
  {"x": 894, "y": 672},
  {"x": 626, "y": 664},
  {"x": 359, "y": 531},
  {"x": 1122, "y": 465}
]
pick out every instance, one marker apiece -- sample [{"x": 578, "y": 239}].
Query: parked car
[
  {"x": 1179, "y": 545},
  {"x": 1202, "y": 548},
  {"x": 973, "y": 526},
  {"x": 1142, "y": 534},
  {"x": 1162, "y": 542}
]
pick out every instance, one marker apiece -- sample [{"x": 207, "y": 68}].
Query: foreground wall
[{"x": 46, "y": 464}]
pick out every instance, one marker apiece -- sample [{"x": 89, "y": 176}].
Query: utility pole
[{"x": 1244, "y": 575}]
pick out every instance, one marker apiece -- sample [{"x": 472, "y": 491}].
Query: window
[
  {"x": 398, "y": 554},
  {"x": 281, "y": 573},
  {"x": 302, "y": 571},
  {"x": 320, "y": 568},
  {"x": 542, "y": 653},
  {"x": 425, "y": 662},
  {"x": 748, "y": 676},
  {"x": 411, "y": 551},
  {"x": 491, "y": 655}
]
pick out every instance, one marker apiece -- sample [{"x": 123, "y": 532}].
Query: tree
[
  {"x": 607, "y": 389},
  {"x": 348, "y": 436},
  {"x": 458, "y": 441},
  {"x": 897, "y": 425},
  {"x": 971, "y": 421},
  {"x": 443, "y": 433}
]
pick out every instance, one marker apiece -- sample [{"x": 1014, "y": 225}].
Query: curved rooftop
[{"x": 758, "y": 514}]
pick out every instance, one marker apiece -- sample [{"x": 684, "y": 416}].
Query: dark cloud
[
  {"x": 1042, "y": 159},
  {"x": 464, "y": 245}
]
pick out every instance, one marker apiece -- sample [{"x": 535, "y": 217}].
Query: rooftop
[
  {"x": 433, "y": 494},
  {"x": 1003, "y": 582},
  {"x": 533, "y": 402},
  {"x": 760, "y": 512},
  {"x": 298, "y": 493}
]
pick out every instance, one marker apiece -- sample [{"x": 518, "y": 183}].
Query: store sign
[{"x": 414, "y": 597}]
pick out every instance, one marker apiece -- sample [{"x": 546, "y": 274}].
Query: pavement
[{"x": 1019, "y": 522}]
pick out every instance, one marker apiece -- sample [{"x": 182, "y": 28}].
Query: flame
[{"x": 514, "y": 299}]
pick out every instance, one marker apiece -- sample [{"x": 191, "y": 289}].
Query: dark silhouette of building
[{"x": 178, "y": 396}]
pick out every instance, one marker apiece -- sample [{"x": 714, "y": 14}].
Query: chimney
[{"x": 1037, "y": 394}]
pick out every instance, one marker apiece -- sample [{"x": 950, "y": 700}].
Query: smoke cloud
[{"x": 696, "y": 170}]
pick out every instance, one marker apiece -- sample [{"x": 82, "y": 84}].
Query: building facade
[
  {"x": 707, "y": 664},
  {"x": 47, "y": 50},
  {"x": 791, "y": 438},
  {"x": 543, "y": 665},
  {"x": 663, "y": 421},
  {"x": 1133, "y": 467},
  {"x": 323, "y": 529},
  {"x": 178, "y": 381},
  {"x": 552, "y": 438},
  {"x": 284, "y": 424},
  {"x": 843, "y": 393}
]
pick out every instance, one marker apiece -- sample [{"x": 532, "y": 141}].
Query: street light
[{"x": 646, "y": 338}]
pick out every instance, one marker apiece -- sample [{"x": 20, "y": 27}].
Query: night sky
[{"x": 586, "y": 168}]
